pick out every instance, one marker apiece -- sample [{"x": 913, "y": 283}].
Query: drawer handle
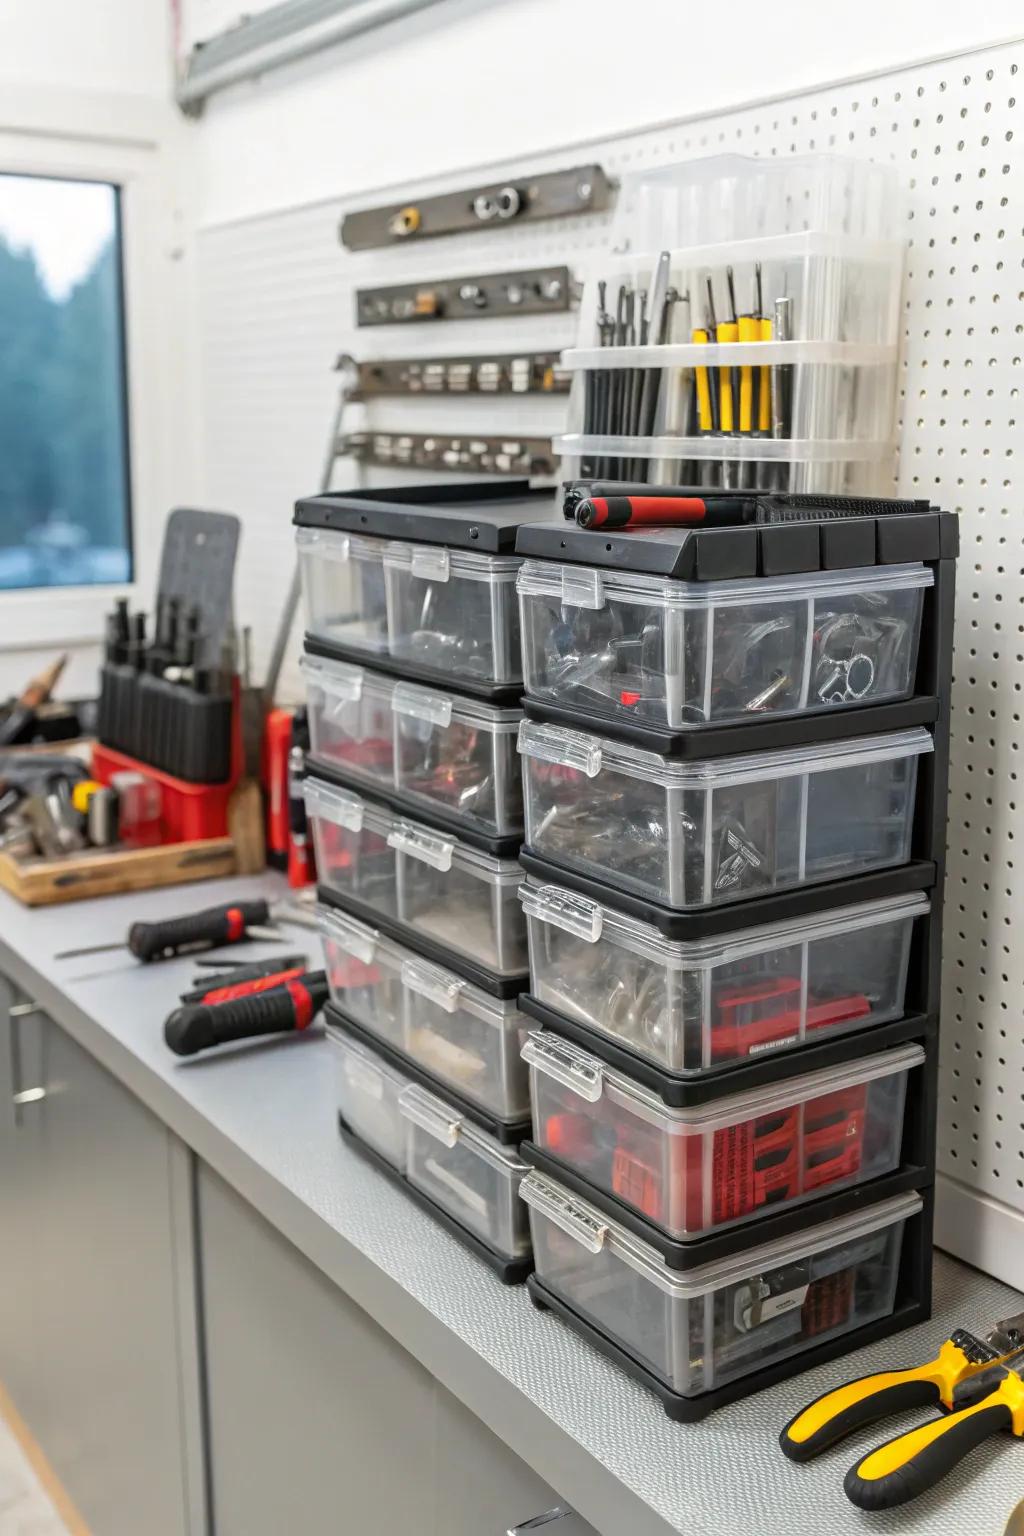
[
  {"x": 574, "y": 1219},
  {"x": 437, "y": 986},
  {"x": 435, "y": 851},
  {"x": 429, "y": 1114},
  {"x": 571, "y": 1067}
]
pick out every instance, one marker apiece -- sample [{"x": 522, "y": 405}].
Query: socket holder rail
[
  {"x": 554, "y": 195},
  {"x": 478, "y": 296},
  {"x": 513, "y": 373},
  {"x": 529, "y": 456}
]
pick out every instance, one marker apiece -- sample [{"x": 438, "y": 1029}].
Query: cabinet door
[
  {"x": 106, "y": 1306},
  {"x": 319, "y": 1421},
  {"x": 20, "y": 1027}
]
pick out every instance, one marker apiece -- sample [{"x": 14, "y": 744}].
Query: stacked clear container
[
  {"x": 749, "y": 335},
  {"x": 414, "y": 798}
]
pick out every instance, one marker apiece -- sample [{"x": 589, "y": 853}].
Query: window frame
[{"x": 130, "y": 144}]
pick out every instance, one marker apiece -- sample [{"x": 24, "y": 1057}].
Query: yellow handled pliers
[{"x": 978, "y": 1382}]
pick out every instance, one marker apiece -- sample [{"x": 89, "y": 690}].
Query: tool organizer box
[
  {"x": 413, "y": 789},
  {"x": 735, "y": 759}
]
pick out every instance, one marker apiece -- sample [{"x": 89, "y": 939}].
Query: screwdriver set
[{"x": 761, "y": 357}]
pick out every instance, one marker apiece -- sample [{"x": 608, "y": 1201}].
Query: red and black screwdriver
[
  {"x": 208, "y": 929},
  {"x": 289, "y": 1006},
  {"x": 665, "y": 511},
  {"x": 222, "y": 985}
]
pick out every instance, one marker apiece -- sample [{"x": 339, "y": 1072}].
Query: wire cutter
[{"x": 978, "y": 1382}]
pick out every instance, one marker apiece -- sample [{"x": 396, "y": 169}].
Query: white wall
[
  {"x": 470, "y": 81},
  {"x": 86, "y": 89}
]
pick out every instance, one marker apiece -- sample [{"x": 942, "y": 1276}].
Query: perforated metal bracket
[
  {"x": 530, "y": 456},
  {"x": 514, "y": 373},
  {"x": 479, "y": 296},
  {"x": 554, "y": 195}
]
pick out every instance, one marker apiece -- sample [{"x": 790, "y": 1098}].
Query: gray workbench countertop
[{"x": 263, "y": 1116}]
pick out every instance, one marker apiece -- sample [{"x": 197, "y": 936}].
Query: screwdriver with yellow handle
[{"x": 975, "y": 1380}]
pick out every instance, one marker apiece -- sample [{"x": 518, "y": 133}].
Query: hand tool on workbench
[
  {"x": 232, "y": 975},
  {"x": 16, "y": 724},
  {"x": 290, "y": 1006},
  {"x": 231, "y": 923},
  {"x": 979, "y": 1382}
]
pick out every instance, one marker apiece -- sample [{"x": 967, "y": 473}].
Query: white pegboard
[{"x": 277, "y": 306}]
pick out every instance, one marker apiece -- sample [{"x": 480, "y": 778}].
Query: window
[{"x": 65, "y": 500}]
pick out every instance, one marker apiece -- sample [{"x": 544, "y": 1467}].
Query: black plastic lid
[
  {"x": 509, "y": 1271},
  {"x": 483, "y": 515},
  {"x": 730, "y": 916},
  {"x": 728, "y": 554},
  {"x": 436, "y": 818},
  {"x": 764, "y": 734},
  {"x": 758, "y": 1229},
  {"x": 509, "y": 1132},
  {"x": 678, "y": 1092},
  {"x": 414, "y": 672},
  {"x": 503, "y": 987}
]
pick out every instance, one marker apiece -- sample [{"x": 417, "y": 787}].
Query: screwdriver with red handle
[
  {"x": 290, "y": 1006},
  {"x": 222, "y": 984},
  {"x": 208, "y": 929}
]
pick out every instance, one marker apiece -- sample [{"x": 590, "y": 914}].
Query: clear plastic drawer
[
  {"x": 694, "y": 834},
  {"x": 351, "y": 723},
  {"x": 465, "y": 900},
  {"x": 453, "y": 610},
  {"x": 465, "y": 1037},
  {"x": 458, "y": 756},
  {"x": 465, "y": 1171},
  {"x": 364, "y": 973},
  {"x": 689, "y": 1007},
  {"x": 343, "y": 588},
  {"x": 354, "y": 854},
  {"x": 471, "y": 1041},
  {"x": 699, "y": 1329},
  {"x": 691, "y": 1171},
  {"x": 368, "y": 1089},
  {"x": 680, "y": 654}
]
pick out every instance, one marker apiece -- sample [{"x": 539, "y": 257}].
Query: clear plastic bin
[
  {"x": 453, "y": 610},
  {"x": 696, "y": 834},
  {"x": 352, "y": 840},
  {"x": 699, "y": 1329},
  {"x": 364, "y": 973},
  {"x": 469, "y": 1040},
  {"x": 465, "y": 1171},
  {"x": 463, "y": 899},
  {"x": 368, "y": 1089},
  {"x": 691, "y": 1171},
  {"x": 688, "y": 1007},
  {"x": 678, "y": 654},
  {"x": 797, "y": 466},
  {"x": 459, "y": 756},
  {"x": 343, "y": 588},
  {"x": 744, "y": 197},
  {"x": 350, "y": 718}
]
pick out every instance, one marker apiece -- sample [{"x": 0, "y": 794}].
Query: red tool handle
[
  {"x": 253, "y": 987},
  {"x": 666, "y": 511},
  {"x": 290, "y": 1006},
  {"x": 196, "y": 930}
]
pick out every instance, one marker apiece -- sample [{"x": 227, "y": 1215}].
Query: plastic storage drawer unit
[
  {"x": 460, "y": 898},
  {"x": 457, "y": 756},
  {"x": 698, "y": 1329},
  {"x": 465, "y": 1171},
  {"x": 367, "y": 1089},
  {"x": 454, "y": 755},
  {"x": 343, "y": 587},
  {"x": 691, "y": 1171},
  {"x": 695, "y": 834},
  {"x": 469, "y": 1040},
  {"x": 676, "y": 654},
  {"x": 451, "y": 610},
  {"x": 351, "y": 724},
  {"x": 689, "y": 1007}
]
